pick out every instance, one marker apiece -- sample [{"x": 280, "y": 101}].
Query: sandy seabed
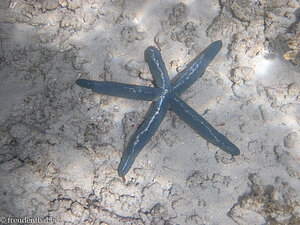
[{"x": 60, "y": 145}]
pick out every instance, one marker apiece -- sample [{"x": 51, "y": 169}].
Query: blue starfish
[{"x": 164, "y": 96}]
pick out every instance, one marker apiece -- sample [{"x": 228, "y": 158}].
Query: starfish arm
[
  {"x": 203, "y": 128},
  {"x": 121, "y": 90},
  {"x": 157, "y": 67},
  {"x": 143, "y": 135},
  {"x": 196, "y": 68}
]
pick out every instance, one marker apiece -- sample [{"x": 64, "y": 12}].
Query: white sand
[{"x": 60, "y": 144}]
